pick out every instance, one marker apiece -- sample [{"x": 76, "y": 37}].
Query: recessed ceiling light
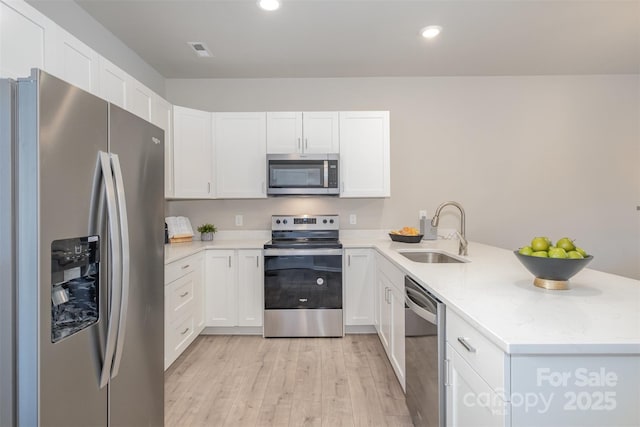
[
  {"x": 269, "y": 4},
  {"x": 431, "y": 31}
]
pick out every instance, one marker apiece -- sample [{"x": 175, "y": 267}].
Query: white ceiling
[{"x": 360, "y": 38}]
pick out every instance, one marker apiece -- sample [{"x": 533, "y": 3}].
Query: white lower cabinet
[
  {"x": 234, "y": 287},
  {"x": 359, "y": 286},
  {"x": 390, "y": 314},
  {"x": 470, "y": 400},
  {"x": 184, "y": 305},
  {"x": 477, "y": 377},
  {"x": 250, "y": 287}
]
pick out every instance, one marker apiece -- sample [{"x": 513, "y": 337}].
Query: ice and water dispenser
[{"x": 75, "y": 281}]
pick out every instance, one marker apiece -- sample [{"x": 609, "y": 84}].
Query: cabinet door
[
  {"x": 22, "y": 40},
  {"x": 384, "y": 331},
  {"x": 192, "y": 153},
  {"x": 320, "y": 132},
  {"x": 161, "y": 116},
  {"x": 284, "y": 132},
  {"x": 75, "y": 62},
  {"x": 365, "y": 154},
  {"x": 113, "y": 83},
  {"x": 250, "y": 287},
  {"x": 359, "y": 287},
  {"x": 198, "y": 293},
  {"x": 139, "y": 100},
  {"x": 470, "y": 400},
  {"x": 397, "y": 333},
  {"x": 240, "y": 151},
  {"x": 221, "y": 291}
]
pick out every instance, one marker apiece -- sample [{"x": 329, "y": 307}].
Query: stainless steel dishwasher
[{"x": 424, "y": 353}]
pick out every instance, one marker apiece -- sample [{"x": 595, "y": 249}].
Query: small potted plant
[{"x": 206, "y": 231}]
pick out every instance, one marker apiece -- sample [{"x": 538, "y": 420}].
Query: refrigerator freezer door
[
  {"x": 136, "y": 391},
  {"x": 60, "y": 131}
]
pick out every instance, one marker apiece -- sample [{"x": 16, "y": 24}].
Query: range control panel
[{"x": 305, "y": 222}]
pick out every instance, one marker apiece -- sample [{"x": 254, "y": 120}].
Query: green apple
[
  {"x": 574, "y": 255},
  {"x": 540, "y": 244},
  {"x": 557, "y": 253},
  {"x": 566, "y": 244},
  {"x": 541, "y": 254},
  {"x": 526, "y": 250},
  {"x": 581, "y": 251}
]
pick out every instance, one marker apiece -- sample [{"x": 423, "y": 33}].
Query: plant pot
[{"x": 206, "y": 236}]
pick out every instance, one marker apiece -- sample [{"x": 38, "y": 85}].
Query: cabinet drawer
[
  {"x": 179, "y": 268},
  {"x": 181, "y": 333},
  {"x": 484, "y": 357},
  {"x": 393, "y": 273},
  {"x": 180, "y": 294}
]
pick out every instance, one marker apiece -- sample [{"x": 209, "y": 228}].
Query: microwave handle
[{"x": 326, "y": 174}]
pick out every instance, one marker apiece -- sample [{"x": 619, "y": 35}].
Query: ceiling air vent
[{"x": 200, "y": 49}]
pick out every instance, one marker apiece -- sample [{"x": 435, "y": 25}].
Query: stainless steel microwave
[{"x": 302, "y": 174}]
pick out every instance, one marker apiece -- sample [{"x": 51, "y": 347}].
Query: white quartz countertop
[
  {"x": 176, "y": 251},
  {"x": 599, "y": 314}
]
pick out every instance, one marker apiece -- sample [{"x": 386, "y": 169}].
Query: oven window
[
  {"x": 307, "y": 281},
  {"x": 303, "y": 173}
]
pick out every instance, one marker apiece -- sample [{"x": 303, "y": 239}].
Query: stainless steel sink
[{"x": 431, "y": 257}]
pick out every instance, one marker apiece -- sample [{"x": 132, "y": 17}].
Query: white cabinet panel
[
  {"x": 221, "y": 291},
  {"x": 22, "y": 40},
  {"x": 308, "y": 132},
  {"x": 139, "y": 100},
  {"x": 320, "y": 129},
  {"x": 284, "y": 132},
  {"x": 470, "y": 401},
  {"x": 240, "y": 152},
  {"x": 192, "y": 153},
  {"x": 113, "y": 83},
  {"x": 360, "y": 287},
  {"x": 365, "y": 154},
  {"x": 250, "y": 287},
  {"x": 76, "y": 62},
  {"x": 396, "y": 297}
]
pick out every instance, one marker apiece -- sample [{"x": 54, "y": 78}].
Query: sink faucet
[{"x": 462, "y": 250}]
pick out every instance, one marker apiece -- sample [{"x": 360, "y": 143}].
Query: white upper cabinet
[
  {"x": 284, "y": 133},
  {"x": 192, "y": 154},
  {"x": 308, "y": 132},
  {"x": 240, "y": 153},
  {"x": 113, "y": 83},
  {"x": 365, "y": 154},
  {"x": 139, "y": 100},
  {"x": 162, "y": 116},
  {"x": 24, "y": 42},
  {"x": 75, "y": 62}
]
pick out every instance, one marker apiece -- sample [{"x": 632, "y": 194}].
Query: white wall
[
  {"x": 526, "y": 156},
  {"x": 70, "y": 16}
]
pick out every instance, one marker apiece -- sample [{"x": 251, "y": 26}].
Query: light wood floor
[{"x": 252, "y": 381}]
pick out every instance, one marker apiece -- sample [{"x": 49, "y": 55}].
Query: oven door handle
[{"x": 302, "y": 252}]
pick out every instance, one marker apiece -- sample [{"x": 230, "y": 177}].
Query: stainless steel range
[{"x": 303, "y": 277}]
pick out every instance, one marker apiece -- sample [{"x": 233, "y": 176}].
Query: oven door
[{"x": 302, "y": 279}]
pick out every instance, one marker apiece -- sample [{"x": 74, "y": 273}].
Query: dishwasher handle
[{"x": 420, "y": 311}]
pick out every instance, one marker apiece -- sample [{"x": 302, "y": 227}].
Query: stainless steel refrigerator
[{"x": 81, "y": 259}]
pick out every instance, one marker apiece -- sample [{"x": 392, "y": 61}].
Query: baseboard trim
[
  {"x": 360, "y": 329},
  {"x": 232, "y": 330}
]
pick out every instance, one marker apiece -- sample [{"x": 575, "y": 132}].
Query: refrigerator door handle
[
  {"x": 124, "y": 240},
  {"x": 115, "y": 287}
]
